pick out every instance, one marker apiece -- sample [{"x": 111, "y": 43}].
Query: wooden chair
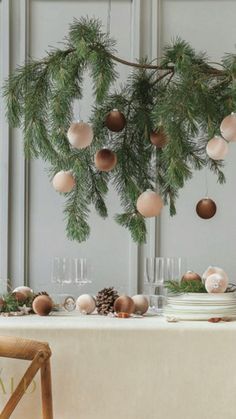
[{"x": 37, "y": 352}]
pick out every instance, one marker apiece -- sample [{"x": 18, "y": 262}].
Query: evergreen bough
[{"x": 184, "y": 94}]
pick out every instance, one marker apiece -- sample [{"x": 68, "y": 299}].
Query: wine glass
[
  {"x": 155, "y": 269},
  {"x": 82, "y": 269},
  {"x": 174, "y": 267}
]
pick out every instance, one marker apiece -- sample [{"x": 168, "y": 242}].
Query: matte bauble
[
  {"x": 63, "y": 182},
  {"x": 158, "y": 138},
  {"x": 191, "y": 276},
  {"x": 27, "y": 291},
  {"x": 206, "y": 208},
  {"x": 80, "y": 135},
  {"x": 85, "y": 304},
  {"x": 115, "y": 120},
  {"x": 217, "y": 148},
  {"x": 214, "y": 270},
  {"x": 149, "y": 204},
  {"x": 216, "y": 283},
  {"x": 141, "y": 304},
  {"x": 42, "y": 305},
  {"x": 124, "y": 304},
  {"x": 19, "y": 296},
  {"x": 228, "y": 127},
  {"x": 105, "y": 160}
]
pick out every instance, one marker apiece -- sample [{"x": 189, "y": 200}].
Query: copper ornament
[
  {"x": 105, "y": 160},
  {"x": 158, "y": 138},
  {"x": 206, "y": 208},
  {"x": 115, "y": 121},
  {"x": 42, "y": 305},
  {"x": 124, "y": 304},
  {"x": 191, "y": 276}
]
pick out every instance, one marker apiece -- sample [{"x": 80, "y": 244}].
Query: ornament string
[
  {"x": 206, "y": 183},
  {"x": 109, "y": 17}
]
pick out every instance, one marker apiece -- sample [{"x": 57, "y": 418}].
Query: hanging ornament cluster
[{"x": 149, "y": 109}]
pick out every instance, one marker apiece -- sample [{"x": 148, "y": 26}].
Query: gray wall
[{"x": 36, "y": 231}]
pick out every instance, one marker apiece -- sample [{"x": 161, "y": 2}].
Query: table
[{"x": 140, "y": 368}]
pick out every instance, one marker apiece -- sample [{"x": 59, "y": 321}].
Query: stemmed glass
[{"x": 155, "y": 268}]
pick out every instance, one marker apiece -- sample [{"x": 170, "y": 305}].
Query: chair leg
[{"x": 46, "y": 385}]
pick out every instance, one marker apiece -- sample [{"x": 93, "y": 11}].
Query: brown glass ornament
[
  {"x": 158, "y": 138},
  {"x": 124, "y": 304},
  {"x": 206, "y": 208},
  {"x": 105, "y": 160},
  {"x": 115, "y": 120},
  {"x": 191, "y": 276}
]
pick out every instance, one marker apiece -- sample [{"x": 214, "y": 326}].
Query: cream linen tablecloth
[{"x": 109, "y": 368}]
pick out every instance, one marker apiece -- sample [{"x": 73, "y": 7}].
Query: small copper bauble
[
  {"x": 105, "y": 160},
  {"x": 228, "y": 127},
  {"x": 19, "y": 296},
  {"x": 63, "y": 182},
  {"x": 158, "y": 138},
  {"x": 124, "y": 304},
  {"x": 42, "y": 305},
  {"x": 27, "y": 291},
  {"x": 115, "y": 120},
  {"x": 206, "y": 208},
  {"x": 191, "y": 276}
]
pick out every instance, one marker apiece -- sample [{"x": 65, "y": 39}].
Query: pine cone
[{"x": 105, "y": 300}]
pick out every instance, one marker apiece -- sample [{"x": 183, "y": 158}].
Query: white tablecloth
[{"x": 109, "y": 368}]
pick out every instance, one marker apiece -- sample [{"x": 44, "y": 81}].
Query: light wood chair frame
[{"x": 39, "y": 353}]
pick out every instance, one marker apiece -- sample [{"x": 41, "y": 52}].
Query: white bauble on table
[
  {"x": 228, "y": 127},
  {"x": 217, "y": 148},
  {"x": 149, "y": 204},
  {"x": 80, "y": 135},
  {"x": 85, "y": 304},
  {"x": 141, "y": 304},
  {"x": 63, "y": 181}
]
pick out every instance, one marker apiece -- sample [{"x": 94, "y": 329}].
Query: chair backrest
[{"x": 39, "y": 354}]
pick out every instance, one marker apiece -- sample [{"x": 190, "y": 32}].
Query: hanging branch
[{"x": 184, "y": 95}]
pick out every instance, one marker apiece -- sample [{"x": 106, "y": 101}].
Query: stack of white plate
[{"x": 196, "y": 306}]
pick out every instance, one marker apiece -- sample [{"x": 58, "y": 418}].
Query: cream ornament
[
  {"x": 228, "y": 127},
  {"x": 216, "y": 283},
  {"x": 85, "y": 304},
  {"x": 80, "y": 135},
  {"x": 149, "y": 204},
  {"x": 214, "y": 270},
  {"x": 217, "y": 148},
  {"x": 63, "y": 181},
  {"x": 141, "y": 304}
]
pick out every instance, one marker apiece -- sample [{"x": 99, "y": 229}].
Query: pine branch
[{"x": 183, "y": 287}]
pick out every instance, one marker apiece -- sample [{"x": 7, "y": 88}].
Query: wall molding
[{"x": 5, "y": 138}]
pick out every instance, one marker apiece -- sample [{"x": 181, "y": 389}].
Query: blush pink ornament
[
  {"x": 149, "y": 204},
  {"x": 80, "y": 135},
  {"x": 217, "y": 148},
  {"x": 26, "y": 291},
  {"x": 214, "y": 270},
  {"x": 63, "y": 181},
  {"x": 141, "y": 304},
  {"x": 216, "y": 283},
  {"x": 85, "y": 304},
  {"x": 228, "y": 127}
]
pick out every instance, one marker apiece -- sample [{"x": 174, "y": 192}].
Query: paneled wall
[{"x": 36, "y": 229}]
